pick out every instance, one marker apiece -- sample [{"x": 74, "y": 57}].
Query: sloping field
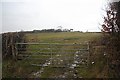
[
  {"x": 62, "y": 37},
  {"x": 63, "y": 62}
]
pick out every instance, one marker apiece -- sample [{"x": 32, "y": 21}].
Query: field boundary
[{"x": 52, "y": 50}]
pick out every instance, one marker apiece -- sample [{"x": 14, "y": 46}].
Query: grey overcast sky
[{"x": 25, "y": 15}]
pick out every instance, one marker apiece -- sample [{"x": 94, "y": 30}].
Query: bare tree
[
  {"x": 112, "y": 25},
  {"x": 111, "y": 21}
]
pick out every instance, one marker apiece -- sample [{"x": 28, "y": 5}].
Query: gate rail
[{"x": 52, "y": 52}]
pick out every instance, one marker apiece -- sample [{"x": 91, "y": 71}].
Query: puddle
[{"x": 76, "y": 62}]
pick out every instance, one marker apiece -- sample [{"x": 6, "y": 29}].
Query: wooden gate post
[
  {"x": 50, "y": 52},
  {"x": 88, "y": 62},
  {"x": 16, "y": 50}
]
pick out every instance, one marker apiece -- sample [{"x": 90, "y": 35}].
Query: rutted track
[{"x": 66, "y": 62}]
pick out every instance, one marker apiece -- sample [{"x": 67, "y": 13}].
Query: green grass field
[
  {"x": 22, "y": 68},
  {"x": 62, "y": 37}
]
